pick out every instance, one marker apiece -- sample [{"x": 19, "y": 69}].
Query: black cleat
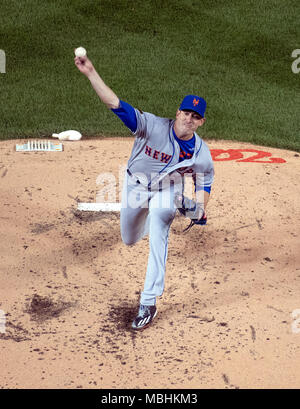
[{"x": 145, "y": 316}]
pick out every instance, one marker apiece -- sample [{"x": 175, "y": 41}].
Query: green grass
[{"x": 235, "y": 54}]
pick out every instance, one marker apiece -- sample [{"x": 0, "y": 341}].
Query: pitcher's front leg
[
  {"x": 134, "y": 211},
  {"x": 133, "y": 224},
  {"x": 160, "y": 221}
]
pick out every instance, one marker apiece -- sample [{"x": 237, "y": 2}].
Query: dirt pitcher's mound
[{"x": 69, "y": 288}]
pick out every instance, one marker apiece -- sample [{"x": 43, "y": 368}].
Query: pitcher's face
[{"x": 187, "y": 122}]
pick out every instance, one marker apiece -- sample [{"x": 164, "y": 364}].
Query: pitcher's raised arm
[{"x": 107, "y": 96}]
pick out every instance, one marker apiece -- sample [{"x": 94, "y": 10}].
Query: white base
[{"x": 99, "y": 207}]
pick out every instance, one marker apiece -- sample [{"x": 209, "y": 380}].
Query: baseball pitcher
[{"x": 164, "y": 152}]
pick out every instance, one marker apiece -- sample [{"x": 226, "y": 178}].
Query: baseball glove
[{"x": 190, "y": 209}]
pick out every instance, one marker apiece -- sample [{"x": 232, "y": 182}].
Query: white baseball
[{"x": 80, "y": 52}]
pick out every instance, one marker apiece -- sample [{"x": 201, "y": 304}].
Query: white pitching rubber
[{"x": 99, "y": 207}]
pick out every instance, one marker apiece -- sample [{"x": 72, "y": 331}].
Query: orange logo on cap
[{"x": 195, "y": 102}]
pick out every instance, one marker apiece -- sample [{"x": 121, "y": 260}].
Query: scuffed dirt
[{"x": 69, "y": 287}]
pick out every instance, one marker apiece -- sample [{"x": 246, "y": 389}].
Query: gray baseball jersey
[{"x": 155, "y": 152}]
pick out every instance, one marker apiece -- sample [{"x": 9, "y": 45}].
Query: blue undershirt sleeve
[
  {"x": 206, "y": 188},
  {"x": 126, "y": 113}
]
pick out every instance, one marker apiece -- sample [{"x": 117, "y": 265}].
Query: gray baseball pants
[{"x": 143, "y": 212}]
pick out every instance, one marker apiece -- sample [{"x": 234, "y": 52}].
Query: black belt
[
  {"x": 130, "y": 174},
  {"x": 137, "y": 181}
]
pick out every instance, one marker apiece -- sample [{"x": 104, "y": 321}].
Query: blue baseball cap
[{"x": 193, "y": 103}]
